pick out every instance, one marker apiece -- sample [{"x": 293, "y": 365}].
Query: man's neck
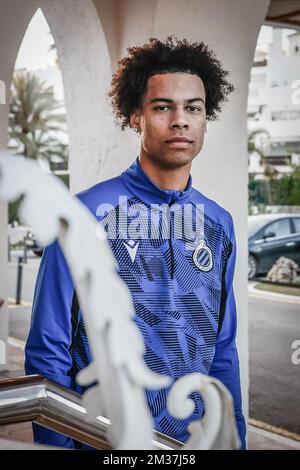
[{"x": 166, "y": 178}]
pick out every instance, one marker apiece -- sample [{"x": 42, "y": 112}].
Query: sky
[{"x": 34, "y": 51}]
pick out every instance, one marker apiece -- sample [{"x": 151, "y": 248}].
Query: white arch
[{"x": 86, "y": 69}]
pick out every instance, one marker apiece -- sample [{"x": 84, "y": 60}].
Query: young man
[{"x": 181, "y": 285}]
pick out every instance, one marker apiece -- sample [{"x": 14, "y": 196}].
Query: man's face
[{"x": 172, "y": 119}]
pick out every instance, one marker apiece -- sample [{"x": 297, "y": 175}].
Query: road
[
  {"x": 274, "y": 379},
  {"x": 273, "y": 326}
]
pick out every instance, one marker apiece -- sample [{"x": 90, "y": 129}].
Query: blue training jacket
[{"x": 182, "y": 293}]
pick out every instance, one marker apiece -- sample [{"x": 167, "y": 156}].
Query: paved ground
[
  {"x": 274, "y": 379},
  {"x": 19, "y": 321}
]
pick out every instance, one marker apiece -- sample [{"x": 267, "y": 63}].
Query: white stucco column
[
  {"x": 14, "y": 19},
  {"x": 230, "y": 28},
  {"x": 3, "y": 233},
  {"x": 85, "y": 63},
  {"x": 86, "y": 68},
  {"x": 3, "y": 287}
]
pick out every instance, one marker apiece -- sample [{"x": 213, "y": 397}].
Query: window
[
  {"x": 280, "y": 228},
  {"x": 287, "y": 115},
  {"x": 297, "y": 224}
]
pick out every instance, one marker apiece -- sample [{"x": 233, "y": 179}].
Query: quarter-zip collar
[{"x": 140, "y": 185}]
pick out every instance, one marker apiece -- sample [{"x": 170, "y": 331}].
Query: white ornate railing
[{"x": 116, "y": 343}]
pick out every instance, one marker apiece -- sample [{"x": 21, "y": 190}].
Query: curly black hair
[{"x": 129, "y": 82}]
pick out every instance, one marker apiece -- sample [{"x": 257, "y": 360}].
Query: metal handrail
[{"x": 35, "y": 398}]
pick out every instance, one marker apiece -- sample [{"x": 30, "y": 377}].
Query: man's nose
[{"x": 179, "y": 120}]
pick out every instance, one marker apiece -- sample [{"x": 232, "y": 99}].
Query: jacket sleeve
[
  {"x": 225, "y": 365},
  {"x": 47, "y": 350}
]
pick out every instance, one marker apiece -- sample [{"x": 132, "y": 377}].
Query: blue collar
[{"x": 141, "y": 186}]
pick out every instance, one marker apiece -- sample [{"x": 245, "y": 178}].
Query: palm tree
[
  {"x": 35, "y": 118},
  {"x": 252, "y": 147},
  {"x": 270, "y": 172}
]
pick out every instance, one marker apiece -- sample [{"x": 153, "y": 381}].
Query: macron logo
[{"x": 131, "y": 247}]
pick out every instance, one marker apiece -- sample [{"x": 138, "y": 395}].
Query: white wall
[
  {"x": 3, "y": 287},
  {"x": 231, "y": 29},
  {"x": 88, "y": 47},
  {"x": 12, "y": 29},
  {"x": 86, "y": 67},
  {"x": 86, "y": 70}
]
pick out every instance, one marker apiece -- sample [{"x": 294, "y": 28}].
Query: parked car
[{"x": 269, "y": 237}]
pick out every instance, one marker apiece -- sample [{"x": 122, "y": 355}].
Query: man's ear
[{"x": 135, "y": 121}]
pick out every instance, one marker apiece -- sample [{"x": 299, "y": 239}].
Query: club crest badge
[{"x": 202, "y": 256}]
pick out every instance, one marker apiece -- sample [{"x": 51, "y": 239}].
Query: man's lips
[
  {"x": 179, "y": 139},
  {"x": 179, "y": 142}
]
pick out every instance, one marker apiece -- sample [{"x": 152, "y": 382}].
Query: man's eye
[
  {"x": 161, "y": 108},
  {"x": 194, "y": 108}
]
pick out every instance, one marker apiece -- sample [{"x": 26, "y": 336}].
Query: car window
[
  {"x": 297, "y": 224},
  {"x": 280, "y": 228},
  {"x": 255, "y": 224}
]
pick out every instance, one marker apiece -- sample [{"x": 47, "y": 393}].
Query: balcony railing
[{"x": 34, "y": 398}]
